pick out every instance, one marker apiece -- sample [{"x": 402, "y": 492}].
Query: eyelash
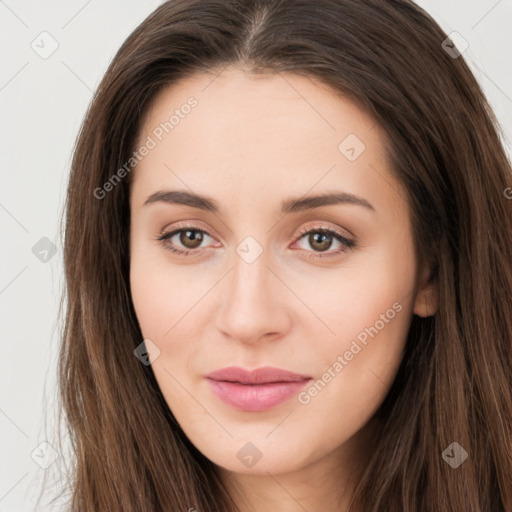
[{"x": 348, "y": 244}]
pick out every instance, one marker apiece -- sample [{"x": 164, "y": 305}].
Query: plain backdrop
[{"x": 53, "y": 55}]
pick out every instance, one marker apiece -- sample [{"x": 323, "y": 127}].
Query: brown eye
[
  {"x": 320, "y": 241},
  {"x": 191, "y": 238},
  {"x": 185, "y": 240}
]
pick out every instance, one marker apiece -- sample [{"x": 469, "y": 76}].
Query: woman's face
[{"x": 251, "y": 169}]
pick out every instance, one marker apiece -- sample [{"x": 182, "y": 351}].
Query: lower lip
[{"x": 255, "y": 397}]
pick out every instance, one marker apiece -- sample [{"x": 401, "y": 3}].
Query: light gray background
[{"x": 42, "y": 102}]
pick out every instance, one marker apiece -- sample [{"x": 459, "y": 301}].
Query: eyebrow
[{"x": 292, "y": 205}]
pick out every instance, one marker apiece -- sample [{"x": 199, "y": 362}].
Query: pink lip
[{"x": 255, "y": 390}]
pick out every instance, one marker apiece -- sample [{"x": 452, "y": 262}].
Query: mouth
[
  {"x": 256, "y": 390},
  {"x": 264, "y": 375}
]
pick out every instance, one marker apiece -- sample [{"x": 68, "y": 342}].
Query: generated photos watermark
[
  {"x": 158, "y": 133},
  {"x": 343, "y": 360}
]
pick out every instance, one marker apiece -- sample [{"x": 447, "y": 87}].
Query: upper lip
[{"x": 258, "y": 376}]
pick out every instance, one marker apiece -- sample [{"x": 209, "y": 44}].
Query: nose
[{"x": 253, "y": 302}]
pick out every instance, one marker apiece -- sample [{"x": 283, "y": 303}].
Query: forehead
[
  {"x": 252, "y": 135},
  {"x": 299, "y": 104}
]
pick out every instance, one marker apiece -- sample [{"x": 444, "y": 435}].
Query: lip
[{"x": 255, "y": 390}]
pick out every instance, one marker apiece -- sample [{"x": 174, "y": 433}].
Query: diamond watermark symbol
[
  {"x": 454, "y": 455},
  {"x": 455, "y": 45},
  {"x": 352, "y": 147},
  {"x": 44, "y": 455},
  {"x": 44, "y": 250},
  {"x": 249, "y": 249},
  {"x": 44, "y": 45},
  {"x": 147, "y": 352},
  {"x": 249, "y": 455}
]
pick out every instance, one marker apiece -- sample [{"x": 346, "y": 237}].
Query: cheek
[
  {"x": 370, "y": 312},
  {"x": 357, "y": 361},
  {"x": 169, "y": 304},
  {"x": 164, "y": 305},
  {"x": 162, "y": 293},
  {"x": 151, "y": 301},
  {"x": 370, "y": 294},
  {"x": 356, "y": 368}
]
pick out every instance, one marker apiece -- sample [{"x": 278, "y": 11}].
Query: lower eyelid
[
  {"x": 167, "y": 236},
  {"x": 346, "y": 243}
]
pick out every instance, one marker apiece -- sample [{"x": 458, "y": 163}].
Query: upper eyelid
[
  {"x": 347, "y": 243},
  {"x": 340, "y": 237},
  {"x": 167, "y": 233}
]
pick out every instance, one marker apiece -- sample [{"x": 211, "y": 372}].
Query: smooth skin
[{"x": 250, "y": 143}]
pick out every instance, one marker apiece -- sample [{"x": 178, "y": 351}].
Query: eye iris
[
  {"x": 320, "y": 241},
  {"x": 191, "y": 239}
]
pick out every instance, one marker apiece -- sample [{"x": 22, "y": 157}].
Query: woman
[{"x": 287, "y": 255}]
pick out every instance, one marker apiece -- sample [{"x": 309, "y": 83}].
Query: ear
[{"x": 427, "y": 296}]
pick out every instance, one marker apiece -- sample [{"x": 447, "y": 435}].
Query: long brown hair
[{"x": 455, "y": 381}]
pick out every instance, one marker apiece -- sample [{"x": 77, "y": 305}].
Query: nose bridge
[
  {"x": 250, "y": 298},
  {"x": 250, "y": 279}
]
